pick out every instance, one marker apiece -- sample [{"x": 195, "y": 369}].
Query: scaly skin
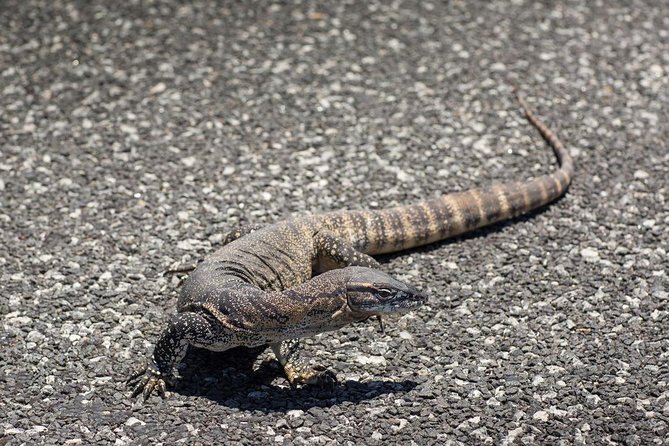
[{"x": 259, "y": 288}]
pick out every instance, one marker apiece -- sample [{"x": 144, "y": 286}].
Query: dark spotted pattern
[{"x": 258, "y": 289}]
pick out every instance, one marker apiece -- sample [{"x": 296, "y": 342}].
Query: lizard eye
[{"x": 384, "y": 292}]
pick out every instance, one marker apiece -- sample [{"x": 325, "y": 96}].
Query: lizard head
[{"x": 374, "y": 292}]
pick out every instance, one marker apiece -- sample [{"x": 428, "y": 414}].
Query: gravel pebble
[{"x": 133, "y": 138}]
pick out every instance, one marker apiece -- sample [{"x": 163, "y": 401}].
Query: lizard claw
[
  {"x": 327, "y": 379},
  {"x": 383, "y": 328},
  {"x": 146, "y": 381},
  {"x": 316, "y": 375}
]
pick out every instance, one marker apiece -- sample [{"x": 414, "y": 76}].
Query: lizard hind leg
[
  {"x": 335, "y": 252},
  {"x": 297, "y": 370}
]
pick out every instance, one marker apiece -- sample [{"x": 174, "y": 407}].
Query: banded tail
[{"x": 404, "y": 227}]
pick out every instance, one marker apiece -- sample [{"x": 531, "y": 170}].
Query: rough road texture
[{"x": 133, "y": 137}]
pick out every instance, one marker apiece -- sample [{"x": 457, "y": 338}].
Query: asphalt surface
[{"x": 133, "y": 136}]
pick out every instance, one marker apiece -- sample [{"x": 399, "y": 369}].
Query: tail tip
[{"x": 519, "y": 97}]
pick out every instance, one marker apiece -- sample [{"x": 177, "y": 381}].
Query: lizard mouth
[
  {"x": 409, "y": 300},
  {"x": 408, "y": 304},
  {"x": 401, "y": 303}
]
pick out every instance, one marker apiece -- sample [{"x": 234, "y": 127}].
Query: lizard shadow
[{"x": 231, "y": 379}]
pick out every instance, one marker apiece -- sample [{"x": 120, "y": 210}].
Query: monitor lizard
[{"x": 315, "y": 273}]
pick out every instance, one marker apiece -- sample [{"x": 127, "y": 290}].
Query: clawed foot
[
  {"x": 311, "y": 376},
  {"x": 145, "y": 381}
]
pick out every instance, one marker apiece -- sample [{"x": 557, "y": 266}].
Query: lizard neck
[{"x": 319, "y": 304}]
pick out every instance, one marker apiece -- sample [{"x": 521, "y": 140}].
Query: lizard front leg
[
  {"x": 296, "y": 368},
  {"x": 335, "y": 252},
  {"x": 183, "y": 330}
]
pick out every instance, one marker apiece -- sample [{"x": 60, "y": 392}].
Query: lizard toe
[
  {"x": 145, "y": 382},
  {"x": 316, "y": 376},
  {"x": 161, "y": 388},
  {"x": 133, "y": 378},
  {"x": 139, "y": 387},
  {"x": 148, "y": 388},
  {"x": 154, "y": 383},
  {"x": 327, "y": 380}
]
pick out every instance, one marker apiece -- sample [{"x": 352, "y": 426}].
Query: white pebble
[
  {"x": 541, "y": 415},
  {"x": 590, "y": 254},
  {"x": 189, "y": 161},
  {"x": 158, "y": 88}
]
